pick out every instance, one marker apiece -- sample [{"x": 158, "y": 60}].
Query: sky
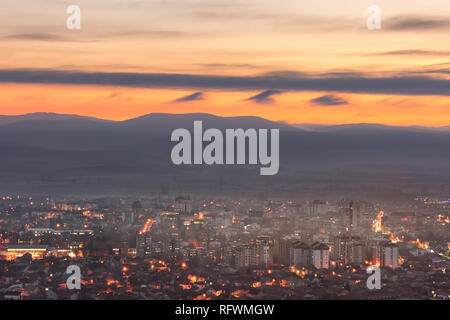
[{"x": 297, "y": 61}]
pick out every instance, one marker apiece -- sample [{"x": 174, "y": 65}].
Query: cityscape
[
  {"x": 189, "y": 248},
  {"x": 224, "y": 158}
]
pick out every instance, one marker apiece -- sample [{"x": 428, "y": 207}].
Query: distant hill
[
  {"x": 163, "y": 121},
  {"x": 43, "y": 116},
  {"x": 66, "y": 152},
  {"x": 67, "y": 132},
  {"x": 358, "y": 128}
]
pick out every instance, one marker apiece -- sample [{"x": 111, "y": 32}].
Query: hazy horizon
[{"x": 216, "y": 115}]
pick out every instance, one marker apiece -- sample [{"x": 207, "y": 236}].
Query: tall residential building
[
  {"x": 318, "y": 207},
  {"x": 388, "y": 253},
  {"x": 259, "y": 254},
  {"x": 348, "y": 249},
  {"x": 282, "y": 249},
  {"x": 320, "y": 255},
  {"x": 358, "y": 252},
  {"x": 246, "y": 256},
  {"x": 300, "y": 254},
  {"x": 183, "y": 205},
  {"x": 264, "y": 255}
]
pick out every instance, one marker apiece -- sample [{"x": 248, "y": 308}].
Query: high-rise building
[
  {"x": 123, "y": 247},
  {"x": 318, "y": 207},
  {"x": 382, "y": 252},
  {"x": 388, "y": 253},
  {"x": 246, "y": 256},
  {"x": 348, "y": 249},
  {"x": 136, "y": 208},
  {"x": 320, "y": 255},
  {"x": 282, "y": 249},
  {"x": 258, "y": 254},
  {"x": 300, "y": 254},
  {"x": 358, "y": 252},
  {"x": 183, "y": 205},
  {"x": 264, "y": 255},
  {"x": 143, "y": 245}
]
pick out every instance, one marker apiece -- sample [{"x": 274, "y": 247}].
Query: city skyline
[{"x": 251, "y": 153}]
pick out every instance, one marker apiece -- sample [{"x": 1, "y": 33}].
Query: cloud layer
[
  {"x": 328, "y": 100},
  {"x": 271, "y": 83},
  {"x": 416, "y": 23},
  {"x": 192, "y": 97},
  {"x": 264, "y": 97}
]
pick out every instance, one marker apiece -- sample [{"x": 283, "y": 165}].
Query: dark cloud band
[
  {"x": 402, "y": 85},
  {"x": 416, "y": 23},
  {"x": 192, "y": 97},
  {"x": 328, "y": 100},
  {"x": 264, "y": 97}
]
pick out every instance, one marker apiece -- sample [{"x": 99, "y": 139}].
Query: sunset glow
[{"x": 248, "y": 39}]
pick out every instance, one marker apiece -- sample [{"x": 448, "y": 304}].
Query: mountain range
[
  {"x": 50, "y": 152},
  {"x": 162, "y": 120}
]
